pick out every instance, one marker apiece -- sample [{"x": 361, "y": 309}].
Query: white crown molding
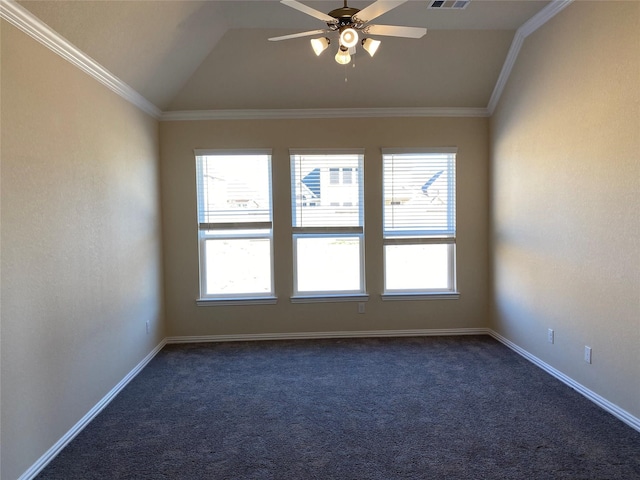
[
  {"x": 526, "y": 29},
  {"x": 543, "y": 16},
  {"x": 275, "y": 114},
  {"x": 35, "y": 28}
]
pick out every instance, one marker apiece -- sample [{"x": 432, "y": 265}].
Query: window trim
[
  {"x": 261, "y": 230},
  {"x": 428, "y": 292},
  {"x": 420, "y": 296},
  {"x": 358, "y": 297},
  {"x": 216, "y": 302},
  {"x": 423, "y": 237},
  {"x": 332, "y": 232},
  {"x": 202, "y": 239},
  {"x": 327, "y": 293}
]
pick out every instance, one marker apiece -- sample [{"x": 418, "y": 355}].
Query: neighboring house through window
[{"x": 328, "y": 222}]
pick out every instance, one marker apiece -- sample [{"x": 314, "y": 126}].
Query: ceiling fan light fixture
[
  {"x": 319, "y": 45},
  {"x": 370, "y": 45},
  {"x": 343, "y": 57},
  {"x": 349, "y": 37},
  {"x": 348, "y": 21}
]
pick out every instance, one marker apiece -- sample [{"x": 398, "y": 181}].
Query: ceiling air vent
[{"x": 449, "y": 4}]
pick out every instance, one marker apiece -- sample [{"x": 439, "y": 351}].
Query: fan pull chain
[{"x": 353, "y": 65}]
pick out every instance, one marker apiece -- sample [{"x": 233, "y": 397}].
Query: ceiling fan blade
[
  {"x": 296, "y": 35},
  {"x": 378, "y": 8},
  {"x": 308, "y": 10},
  {"x": 395, "y": 31}
]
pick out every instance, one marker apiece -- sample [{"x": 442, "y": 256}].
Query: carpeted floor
[{"x": 406, "y": 408}]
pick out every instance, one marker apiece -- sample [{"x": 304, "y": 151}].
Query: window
[
  {"x": 328, "y": 222},
  {"x": 419, "y": 221},
  {"x": 235, "y": 224}
]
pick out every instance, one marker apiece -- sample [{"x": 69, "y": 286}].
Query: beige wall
[
  {"x": 80, "y": 246},
  {"x": 80, "y": 271},
  {"x": 178, "y": 139},
  {"x": 566, "y": 198}
]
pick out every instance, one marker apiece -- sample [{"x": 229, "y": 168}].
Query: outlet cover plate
[{"x": 587, "y": 354}]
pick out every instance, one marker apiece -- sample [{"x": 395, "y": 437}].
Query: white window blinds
[
  {"x": 419, "y": 193},
  {"x": 327, "y": 190},
  {"x": 234, "y": 188}
]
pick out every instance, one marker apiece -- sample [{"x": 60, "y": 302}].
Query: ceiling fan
[{"x": 348, "y": 21}]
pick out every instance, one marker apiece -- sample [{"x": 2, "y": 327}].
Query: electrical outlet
[
  {"x": 361, "y": 307},
  {"x": 550, "y": 335},
  {"x": 148, "y": 326},
  {"x": 587, "y": 354}
]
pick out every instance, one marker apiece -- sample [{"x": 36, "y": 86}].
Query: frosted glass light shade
[
  {"x": 319, "y": 45},
  {"x": 343, "y": 57},
  {"x": 348, "y": 37},
  {"x": 370, "y": 45}
]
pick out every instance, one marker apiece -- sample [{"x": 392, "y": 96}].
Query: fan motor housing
[{"x": 343, "y": 15}]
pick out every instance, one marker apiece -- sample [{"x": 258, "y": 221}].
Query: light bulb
[
  {"x": 348, "y": 37},
  {"x": 370, "y": 45},
  {"x": 319, "y": 45},
  {"x": 343, "y": 57}
]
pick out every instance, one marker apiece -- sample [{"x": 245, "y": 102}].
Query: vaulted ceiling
[{"x": 209, "y": 55}]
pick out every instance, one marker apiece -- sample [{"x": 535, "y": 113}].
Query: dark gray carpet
[{"x": 408, "y": 408}]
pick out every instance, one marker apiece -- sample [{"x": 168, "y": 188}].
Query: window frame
[
  {"x": 417, "y": 236},
  {"x": 233, "y": 231},
  {"x": 301, "y": 232}
]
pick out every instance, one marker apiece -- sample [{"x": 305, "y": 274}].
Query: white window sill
[
  {"x": 214, "y": 302},
  {"x": 421, "y": 296},
  {"x": 349, "y": 297}
]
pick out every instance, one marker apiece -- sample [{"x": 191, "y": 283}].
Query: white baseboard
[
  {"x": 50, "y": 454},
  {"x": 317, "y": 335},
  {"x": 603, "y": 403},
  {"x": 42, "y": 462}
]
